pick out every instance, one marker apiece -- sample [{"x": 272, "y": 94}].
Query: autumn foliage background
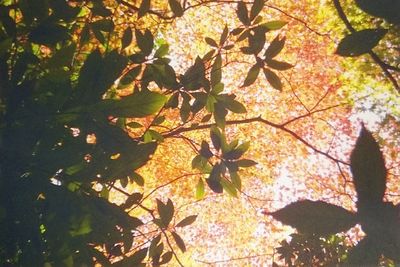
[{"x": 165, "y": 132}]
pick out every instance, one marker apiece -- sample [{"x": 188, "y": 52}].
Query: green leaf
[
  {"x": 256, "y": 8},
  {"x": 275, "y": 47},
  {"x": 389, "y": 10},
  {"x": 316, "y": 217},
  {"x": 229, "y": 187},
  {"x": 162, "y": 51},
  {"x": 179, "y": 241},
  {"x": 187, "y": 221},
  {"x": 166, "y": 211},
  {"x": 360, "y": 42},
  {"x": 81, "y": 226},
  {"x": 220, "y": 113},
  {"x": 274, "y": 25},
  {"x": 200, "y": 189},
  {"x": 176, "y": 7},
  {"x": 173, "y": 101},
  {"x": 216, "y": 71},
  {"x": 104, "y": 25},
  {"x": 273, "y": 79},
  {"x": 144, "y": 8},
  {"x": 236, "y": 181},
  {"x": 145, "y": 41},
  {"x": 278, "y": 65},
  {"x": 368, "y": 169},
  {"x": 210, "y": 102},
  {"x": 242, "y": 13},
  {"x": 251, "y": 76},
  {"x": 126, "y": 37},
  {"x": 137, "y": 105},
  {"x": 134, "y": 124},
  {"x": 245, "y": 163}
]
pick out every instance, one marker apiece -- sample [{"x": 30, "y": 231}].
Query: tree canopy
[{"x": 179, "y": 133}]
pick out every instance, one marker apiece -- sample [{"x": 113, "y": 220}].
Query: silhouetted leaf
[
  {"x": 368, "y": 168},
  {"x": 126, "y": 37},
  {"x": 166, "y": 257},
  {"x": 179, "y": 241},
  {"x": 48, "y": 34},
  {"x": 216, "y": 71},
  {"x": 187, "y": 221},
  {"x": 137, "y": 178},
  {"x": 273, "y": 79},
  {"x": 145, "y": 41},
  {"x": 224, "y": 35},
  {"x": 205, "y": 150},
  {"x": 388, "y": 9},
  {"x": 278, "y": 65},
  {"x": 251, "y": 76},
  {"x": 130, "y": 76},
  {"x": 176, "y": 7},
  {"x": 242, "y": 13},
  {"x": 366, "y": 253},
  {"x": 166, "y": 211},
  {"x": 211, "y": 42},
  {"x": 315, "y": 217},
  {"x": 275, "y": 47},
  {"x": 360, "y": 42},
  {"x": 245, "y": 163},
  {"x": 236, "y": 181},
  {"x": 213, "y": 180},
  {"x": 144, "y": 8},
  {"x": 256, "y": 8}
]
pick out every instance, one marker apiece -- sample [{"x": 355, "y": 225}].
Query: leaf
[
  {"x": 166, "y": 257},
  {"x": 131, "y": 75},
  {"x": 162, "y": 51},
  {"x": 229, "y": 187},
  {"x": 126, "y": 37},
  {"x": 366, "y": 253},
  {"x": 216, "y": 137},
  {"x": 214, "y": 178},
  {"x": 273, "y": 79},
  {"x": 216, "y": 71},
  {"x": 251, "y": 76},
  {"x": 361, "y": 42},
  {"x": 166, "y": 211},
  {"x": 205, "y": 150},
  {"x": 368, "y": 169},
  {"x": 274, "y": 25},
  {"x": 224, "y": 35},
  {"x": 242, "y": 13},
  {"x": 145, "y": 41},
  {"x": 389, "y": 10},
  {"x": 211, "y": 42},
  {"x": 256, "y": 8},
  {"x": 137, "y": 178},
  {"x": 179, "y": 241},
  {"x": 200, "y": 189},
  {"x": 278, "y": 65},
  {"x": 245, "y": 163},
  {"x": 137, "y": 105},
  {"x": 144, "y": 8},
  {"x": 236, "y": 181},
  {"x": 315, "y": 217},
  {"x": 235, "y": 106},
  {"x": 275, "y": 47},
  {"x": 187, "y": 221},
  {"x": 48, "y": 34},
  {"x": 176, "y": 7}
]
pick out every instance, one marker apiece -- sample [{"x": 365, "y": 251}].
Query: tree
[{"x": 89, "y": 97}]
